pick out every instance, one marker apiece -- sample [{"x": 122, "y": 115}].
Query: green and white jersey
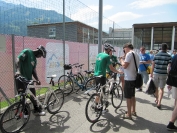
[
  {"x": 113, "y": 60},
  {"x": 28, "y": 63},
  {"x": 102, "y": 61}
]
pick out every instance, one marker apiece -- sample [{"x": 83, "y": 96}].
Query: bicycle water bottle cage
[{"x": 67, "y": 66}]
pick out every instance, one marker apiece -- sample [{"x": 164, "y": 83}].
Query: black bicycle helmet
[
  {"x": 43, "y": 50},
  {"x": 107, "y": 46},
  {"x": 113, "y": 50}
]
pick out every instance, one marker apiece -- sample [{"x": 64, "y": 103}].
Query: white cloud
[
  {"x": 151, "y": 3},
  {"x": 124, "y": 16},
  {"x": 90, "y": 14},
  {"x": 105, "y": 8}
]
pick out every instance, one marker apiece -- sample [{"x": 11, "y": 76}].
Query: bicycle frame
[
  {"x": 49, "y": 91},
  {"x": 70, "y": 74}
]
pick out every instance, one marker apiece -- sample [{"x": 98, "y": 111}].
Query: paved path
[{"x": 71, "y": 118}]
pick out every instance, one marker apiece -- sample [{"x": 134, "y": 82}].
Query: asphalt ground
[{"x": 71, "y": 118}]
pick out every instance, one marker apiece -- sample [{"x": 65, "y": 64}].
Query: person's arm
[
  {"x": 114, "y": 70},
  {"x": 152, "y": 67},
  {"x": 124, "y": 64},
  {"x": 168, "y": 67},
  {"x": 34, "y": 73},
  {"x": 17, "y": 67}
]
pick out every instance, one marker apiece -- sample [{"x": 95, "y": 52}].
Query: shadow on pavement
[{"x": 56, "y": 123}]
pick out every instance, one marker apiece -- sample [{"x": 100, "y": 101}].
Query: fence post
[{"x": 13, "y": 61}]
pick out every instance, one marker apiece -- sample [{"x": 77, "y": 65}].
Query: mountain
[{"x": 15, "y": 18}]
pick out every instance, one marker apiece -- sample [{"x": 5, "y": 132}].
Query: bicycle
[
  {"x": 67, "y": 82},
  {"x": 98, "y": 100},
  {"x": 88, "y": 74},
  {"x": 17, "y": 115}
]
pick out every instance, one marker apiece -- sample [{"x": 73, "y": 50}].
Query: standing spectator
[
  {"x": 144, "y": 63},
  {"x": 159, "y": 69},
  {"x": 129, "y": 77},
  {"x": 174, "y": 53},
  {"x": 151, "y": 54},
  {"x": 171, "y": 125},
  {"x": 26, "y": 66}
]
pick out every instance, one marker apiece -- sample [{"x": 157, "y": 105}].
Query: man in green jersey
[
  {"x": 26, "y": 66},
  {"x": 102, "y": 62}
]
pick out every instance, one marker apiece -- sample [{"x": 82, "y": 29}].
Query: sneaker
[
  {"x": 41, "y": 113},
  {"x": 25, "y": 116},
  {"x": 139, "y": 89},
  {"x": 171, "y": 127}
]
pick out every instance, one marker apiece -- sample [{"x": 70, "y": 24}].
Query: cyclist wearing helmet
[
  {"x": 102, "y": 61},
  {"x": 26, "y": 66},
  {"x": 113, "y": 60}
]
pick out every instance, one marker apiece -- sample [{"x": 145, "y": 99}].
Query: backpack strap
[{"x": 135, "y": 62}]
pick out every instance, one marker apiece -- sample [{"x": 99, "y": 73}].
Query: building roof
[{"x": 149, "y": 25}]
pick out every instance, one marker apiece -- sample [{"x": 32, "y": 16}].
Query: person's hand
[
  {"x": 38, "y": 82},
  {"x": 120, "y": 72},
  {"x": 151, "y": 75},
  {"x": 169, "y": 87},
  {"x": 17, "y": 74}
]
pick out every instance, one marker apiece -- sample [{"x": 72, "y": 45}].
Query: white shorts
[{"x": 174, "y": 92}]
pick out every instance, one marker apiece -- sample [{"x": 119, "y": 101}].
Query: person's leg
[
  {"x": 32, "y": 98},
  {"x": 171, "y": 125},
  {"x": 127, "y": 95},
  {"x": 128, "y": 107},
  {"x": 162, "y": 83},
  {"x": 156, "y": 82},
  {"x": 122, "y": 81},
  {"x": 133, "y": 104},
  {"x": 161, "y": 91}
]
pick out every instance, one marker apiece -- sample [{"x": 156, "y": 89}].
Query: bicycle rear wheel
[
  {"x": 117, "y": 96},
  {"x": 65, "y": 83},
  {"x": 14, "y": 118},
  {"x": 93, "y": 110},
  {"x": 55, "y": 101},
  {"x": 90, "y": 86}
]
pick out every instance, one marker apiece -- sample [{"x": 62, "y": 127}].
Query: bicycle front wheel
[
  {"x": 15, "y": 118},
  {"x": 93, "y": 109},
  {"x": 117, "y": 96},
  {"x": 55, "y": 101},
  {"x": 65, "y": 83}
]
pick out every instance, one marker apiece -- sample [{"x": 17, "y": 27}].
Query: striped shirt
[{"x": 161, "y": 60}]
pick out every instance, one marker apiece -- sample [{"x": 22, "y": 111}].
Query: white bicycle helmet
[{"x": 43, "y": 50}]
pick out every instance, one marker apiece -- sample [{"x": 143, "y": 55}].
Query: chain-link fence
[{"x": 28, "y": 24}]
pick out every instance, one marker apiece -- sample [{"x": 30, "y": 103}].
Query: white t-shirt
[{"x": 130, "y": 71}]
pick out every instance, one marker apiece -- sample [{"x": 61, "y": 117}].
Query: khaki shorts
[
  {"x": 159, "y": 80},
  {"x": 174, "y": 92}
]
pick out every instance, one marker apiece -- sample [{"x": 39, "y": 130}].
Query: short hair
[
  {"x": 128, "y": 45},
  {"x": 164, "y": 46}
]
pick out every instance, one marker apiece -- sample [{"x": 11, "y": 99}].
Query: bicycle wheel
[
  {"x": 14, "y": 118},
  {"x": 78, "y": 80},
  {"x": 93, "y": 110},
  {"x": 90, "y": 86},
  {"x": 55, "y": 101},
  {"x": 117, "y": 96},
  {"x": 65, "y": 83}
]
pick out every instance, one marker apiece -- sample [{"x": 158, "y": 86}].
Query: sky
[{"x": 125, "y": 13}]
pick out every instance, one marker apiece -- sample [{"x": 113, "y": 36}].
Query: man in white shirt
[{"x": 129, "y": 77}]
